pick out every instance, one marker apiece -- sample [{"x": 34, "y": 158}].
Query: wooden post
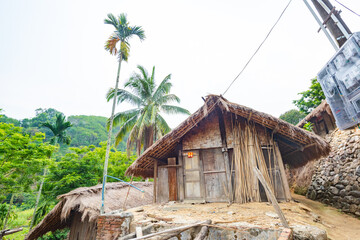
[
  {"x": 172, "y": 179},
  {"x": 282, "y": 172},
  {"x": 225, "y": 154},
  {"x": 139, "y": 232},
  {"x": 255, "y": 194},
  {"x": 271, "y": 196},
  {"x": 203, "y": 232},
  {"x": 155, "y": 180},
  {"x": 180, "y": 175}
]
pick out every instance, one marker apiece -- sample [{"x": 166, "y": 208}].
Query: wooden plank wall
[{"x": 162, "y": 195}]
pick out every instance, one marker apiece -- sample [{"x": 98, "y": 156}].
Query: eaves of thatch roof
[
  {"x": 87, "y": 201},
  {"x": 323, "y": 107},
  {"x": 297, "y": 146}
]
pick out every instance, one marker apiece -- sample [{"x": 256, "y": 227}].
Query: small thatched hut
[
  {"x": 210, "y": 157},
  {"x": 322, "y": 119},
  {"x": 80, "y": 208}
]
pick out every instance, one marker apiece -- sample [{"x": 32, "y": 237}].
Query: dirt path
[{"x": 337, "y": 225}]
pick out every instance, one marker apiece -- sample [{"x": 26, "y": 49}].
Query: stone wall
[{"x": 336, "y": 180}]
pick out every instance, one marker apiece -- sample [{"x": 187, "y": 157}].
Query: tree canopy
[
  {"x": 292, "y": 116},
  {"x": 22, "y": 158},
  {"x": 311, "y": 98}
]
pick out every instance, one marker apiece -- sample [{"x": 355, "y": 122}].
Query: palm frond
[
  {"x": 125, "y": 128},
  {"x": 110, "y": 44},
  {"x": 111, "y": 20},
  {"x": 123, "y": 96},
  {"x": 162, "y": 125},
  {"x": 163, "y": 88},
  {"x": 121, "y": 117},
  {"x": 170, "y": 109},
  {"x": 167, "y": 98}
]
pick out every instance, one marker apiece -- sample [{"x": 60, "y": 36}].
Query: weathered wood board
[
  {"x": 192, "y": 176},
  {"x": 214, "y": 175},
  {"x": 162, "y": 185}
]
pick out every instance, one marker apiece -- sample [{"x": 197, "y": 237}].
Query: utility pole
[{"x": 331, "y": 18}]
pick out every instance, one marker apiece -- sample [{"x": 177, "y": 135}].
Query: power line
[
  {"x": 347, "y": 8},
  {"x": 258, "y": 47}
]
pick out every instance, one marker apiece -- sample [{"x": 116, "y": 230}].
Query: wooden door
[
  {"x": 192, "y": 176},
  {"x": 216, "y": 189}
]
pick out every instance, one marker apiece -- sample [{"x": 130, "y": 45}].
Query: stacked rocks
[{"x": 336, "y": 180}]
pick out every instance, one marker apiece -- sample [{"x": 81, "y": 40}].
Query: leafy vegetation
[
  {"x": 292, "y": 116},
  {"x": 83, "y": 167},
  {"x": 22, "y": 158},
  {"x": 311, "y": 98}
]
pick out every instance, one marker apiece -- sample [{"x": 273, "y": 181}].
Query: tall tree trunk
[
  {"x": 109, "y": 134},
  {"x": 8, "y": 212},
  {"x": 38, "y": 199},
  {"x": 149, "y": 137}
]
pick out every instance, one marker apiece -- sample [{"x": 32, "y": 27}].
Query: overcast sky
[{"x": 52, "y": 52}]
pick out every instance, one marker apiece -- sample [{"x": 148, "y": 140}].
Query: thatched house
[
  {"x": 322, "y": 119},
  {"x": 211, "y": 156},
  {"x": 80, "y": 208}
]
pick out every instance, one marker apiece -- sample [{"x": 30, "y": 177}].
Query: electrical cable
[
  {"x": 347, "y": 8},
  {"x": 258, "y": 47}
]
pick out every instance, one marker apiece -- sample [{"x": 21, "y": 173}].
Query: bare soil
[
  {"x": 307, "y": 212},
  {"x": 338, "y": 225}
]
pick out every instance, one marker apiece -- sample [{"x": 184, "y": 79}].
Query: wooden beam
[
  {"x": 282, "y": 173},
  {"x": 289, "y": 143},
  {"x": 222, "y": 128},
  {"x": 271, "y": 197},
  {"x": 155, "y": 181},
  {"x": 298, "y": 150}
]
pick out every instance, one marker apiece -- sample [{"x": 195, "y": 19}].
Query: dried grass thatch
[
  {"x": 87, "y": 201},
  {"x": 298, "y": 146},
  {"x": 317, "y": 112}
]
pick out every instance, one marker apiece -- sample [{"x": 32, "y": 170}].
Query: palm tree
[
  {"x": 123, "y": 32},
  {"x": 59, "y": 130},
  {"x": 144, "y": 123}
]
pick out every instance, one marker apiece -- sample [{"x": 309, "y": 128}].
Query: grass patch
[
  {"x": 22, "y": 220},
  {"x": 300, "y": 190}
]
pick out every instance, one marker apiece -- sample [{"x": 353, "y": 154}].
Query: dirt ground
[
  {"x": 307, "y": 212},
  {"x": 338, "y": 225}
]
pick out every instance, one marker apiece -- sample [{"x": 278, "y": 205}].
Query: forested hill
[
  {"x": 86, "y": 130},
  {"x": 89, "y": 130}
]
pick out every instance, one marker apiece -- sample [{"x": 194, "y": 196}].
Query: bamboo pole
[
  {"x": 127, "y": 194},
  {"x": 271, "y": 197}
]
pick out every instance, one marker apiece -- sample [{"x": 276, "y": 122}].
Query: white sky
[{"x": 52, "y": 52}]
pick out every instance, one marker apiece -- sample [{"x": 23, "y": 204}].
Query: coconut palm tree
[
  {"x": 144, "y": 123},
  {"x": 123, "y": 32},
  {"x": 59, "y": 130}
]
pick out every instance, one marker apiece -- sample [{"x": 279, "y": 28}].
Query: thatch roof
[
  {"x": 323, "y": 107},
  {"x": 87, "y": 201},
  {"x": 304, "y": 146}
]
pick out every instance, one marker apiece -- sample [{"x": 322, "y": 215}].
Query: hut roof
[
  {"x": 323, "y": 107},
  {"x": 296, "y": 145},
  {"x": 87, "y": 201}
]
